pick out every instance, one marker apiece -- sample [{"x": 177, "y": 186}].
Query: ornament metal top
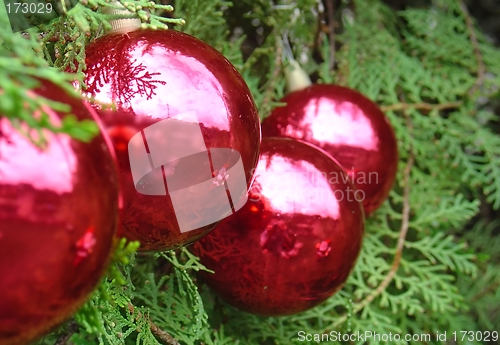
[
  {"x": 185, "y": 128},
  {"x": 123, "y": 25}
]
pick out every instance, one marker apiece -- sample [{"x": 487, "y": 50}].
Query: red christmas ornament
[
  {"x": 349, "y": 127},
  {"x": 58, "y": 218},
  {"x": 168, "y": 78},
  {"x": 295, "y": 241}
]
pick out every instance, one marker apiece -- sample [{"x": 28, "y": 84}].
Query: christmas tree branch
[
  {"x": 421, "y": 106},
  {"x": 485, "y": 291},
  {"x": 162, "y": 335},
  {"x": 405, "y": 222},
  {"x": 268, "y": 93},
  {"x": 481, "y": 68},
  {"x": 157, "y": 331},
  {"x": 331, "y": 32},
  {"x": 47, "y": 37},
  {"x": 63, "y": 338}
]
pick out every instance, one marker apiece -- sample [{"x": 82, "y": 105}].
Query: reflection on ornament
[
  {"x": 351, "y": 126},
  {"x": 55, "y": 164}
]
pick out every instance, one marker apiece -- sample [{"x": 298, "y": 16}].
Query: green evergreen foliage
[{"x": 429, "y": 262}]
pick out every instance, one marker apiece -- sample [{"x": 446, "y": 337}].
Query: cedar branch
[
  {"x": 421, "y": 106},
  {"x": 487, "y": 290},
  {"x": 331, "y": 32},
  {"x": 157, "y": 331},
  {"x": 481, "y": 68},
  {"x": 405, "y": 222},
  {"x": 63, "y": 338},
  {"x": 274, "y": 77}
]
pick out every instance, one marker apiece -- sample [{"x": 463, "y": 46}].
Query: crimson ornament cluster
[
  {"x": 154, "y": 76},
  {"x": 348, "y": 126},
  {"x": 58, "y": 217},
  {"x": 296, "y": 240}
]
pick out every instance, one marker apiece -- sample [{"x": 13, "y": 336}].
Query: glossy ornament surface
[
  {"x": 155, "y": 76},
  {"x": 296, "y": 240},
  {"x": 348, "y": 126},
  {"x": 58, "y": 218}
]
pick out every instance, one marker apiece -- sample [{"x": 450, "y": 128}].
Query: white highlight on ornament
[
  {"x": 352, "y": 127},
  {"x": 312, "y": 193},
  {"x": 204, "y": 185},
  {"x": 14, "y": 169},
  {"x": 189, "y": 74}
]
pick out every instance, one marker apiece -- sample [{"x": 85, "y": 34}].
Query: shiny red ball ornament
[
  {"x": 348, "y": 126},
  {"x": 168, "y": 78},
  {"x": 58, "y": 218},
  {"x": 296, "y": 240}
]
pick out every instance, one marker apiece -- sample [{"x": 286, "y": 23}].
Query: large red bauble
[
  {"x": 348, "y": 126},
  {"x": 295, "y": 241},
  {"x": 58, "y": 217},
  {"x": 155, "y": 76}
]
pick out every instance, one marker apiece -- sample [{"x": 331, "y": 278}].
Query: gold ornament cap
[
  {"x": 296, "y": 78},
  {"x": 121, "y": 26}
]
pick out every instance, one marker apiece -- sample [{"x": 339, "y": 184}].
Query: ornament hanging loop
[
  {"x": 123, "y": 25},
  {"x": 295, "y": 76}
]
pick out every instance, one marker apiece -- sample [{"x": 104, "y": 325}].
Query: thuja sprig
[
  {"x": 22, "y": 66},
  {"x": 29, "y": 113},
  {"x": 405, "y": 221},
  {"x": 24, "y": 56}
]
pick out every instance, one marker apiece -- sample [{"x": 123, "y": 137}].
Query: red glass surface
[
  {"x": 348, "y": 126},
  {"x": 157, "y": 75},
  {"x": 58, "y": 217},
  {"x": 295, "y": 241}
]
